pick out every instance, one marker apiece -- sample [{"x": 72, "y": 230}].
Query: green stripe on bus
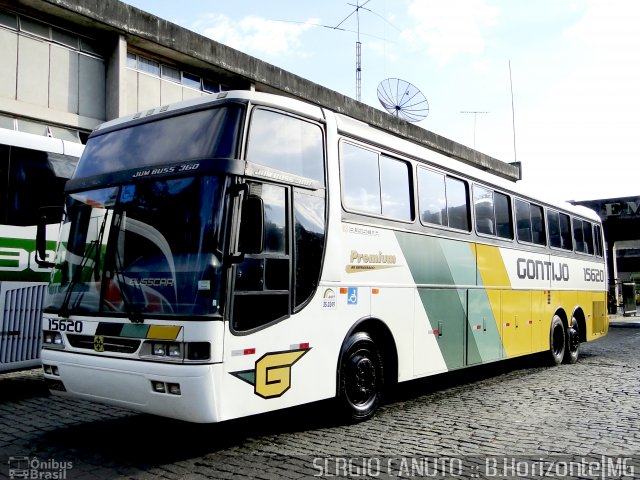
[{"x": 467, "y": 332}]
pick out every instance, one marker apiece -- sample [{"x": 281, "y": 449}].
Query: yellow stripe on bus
[{"x": 163, "y": 332}]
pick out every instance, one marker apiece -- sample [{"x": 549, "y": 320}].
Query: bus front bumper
[{"x": 183, "y": 392}]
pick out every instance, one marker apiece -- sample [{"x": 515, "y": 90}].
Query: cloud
[
  {"x": 255, "y": 35},
  {"x": 447, "y": 28}
]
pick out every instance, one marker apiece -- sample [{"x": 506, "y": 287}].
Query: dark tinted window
[
  {"x": 483, "y": 205},
  {"x": 553, "y": 225},
  {"x": 308, "y": 217},
  {"x": 523, "y": 221},
  {"x": 578, "y": 235},
  {"x": 537, "y": 225},
  {"x": 587, "y": 229},
  {"x": 504, "y": 228},
  {"x": 565, "y": 232},
  {"x": 598, "y": 240},
  {"x": 443, "y": 200},
  {"x": 30, "y": 179},
  {"x": 212, "y": 133},
  {"x": 262, "y": 281},
  {"x": 286, "y": 143},
  {"x": 457, "y": 204}
]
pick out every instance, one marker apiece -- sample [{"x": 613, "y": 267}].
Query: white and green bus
[
  {"x": 33, "y": 170},
  {"x": 247, "y": 252}
]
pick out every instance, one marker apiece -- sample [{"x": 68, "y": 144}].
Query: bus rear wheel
[
  {"x": 557, "y": 341},
  {"x": 361, "y": 377},
  {"x": 573, "y": 342}
]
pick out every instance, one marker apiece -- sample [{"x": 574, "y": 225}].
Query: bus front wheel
[
  {"x": 361, "y": 377},
  {"x": 557, "y": 341}
]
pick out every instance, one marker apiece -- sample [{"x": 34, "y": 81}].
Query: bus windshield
[{"x": 152, "y": 248}]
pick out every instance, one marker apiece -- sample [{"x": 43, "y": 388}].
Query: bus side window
[
  {"x": 504, "y": 227},
  {"x": 598, "y": 240},
  {"x": 286, "y": 143},
  {"x": 431, "y": 197},
  {"x": 588, "y": 237},
  {"x": 565, "y": 232},
  {"x": 308, "y": 238},
  {"x": 578, "y": 235},
  {"x": 458, "y": 204},
  {"x": 483, "y": 205},
  {"x": 523, "y": 221},
  {"x": 538, "y": 233},
  {"x": 360, "y": 179},
  {"x": 553, "y": 225},
  {"x": 35, "y": 179}
]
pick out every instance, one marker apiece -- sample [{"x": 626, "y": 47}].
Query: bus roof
[
  {"x": 357, "y": 129},
  {"x": 15, "y": 138}
]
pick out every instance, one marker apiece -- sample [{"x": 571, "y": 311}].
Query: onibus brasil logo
[{"x": 271, "y": 377}]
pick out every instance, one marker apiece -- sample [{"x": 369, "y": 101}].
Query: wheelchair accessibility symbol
[{"x": 352, "y": 296}]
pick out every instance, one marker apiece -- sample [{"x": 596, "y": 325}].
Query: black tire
[
  {"x": 573, "y": 342},
  {"x": 557, "y": 341},
  {"x": 361, "y": 377}
]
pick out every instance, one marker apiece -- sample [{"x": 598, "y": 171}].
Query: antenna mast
[
  {"x": 358, "y": 45},
  {"x": 475, "y": 117}
]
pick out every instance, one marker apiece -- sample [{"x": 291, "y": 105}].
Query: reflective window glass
[
  {"x": 286, "y": 143},
  {"x": 395, "y": 189}
]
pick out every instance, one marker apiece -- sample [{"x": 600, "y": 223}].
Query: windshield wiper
[
  {"x": 134, "y": 312},
  {"x": 94, "y": 245}
]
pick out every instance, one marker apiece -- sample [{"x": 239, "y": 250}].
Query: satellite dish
[{"x": 403, "y": 100}]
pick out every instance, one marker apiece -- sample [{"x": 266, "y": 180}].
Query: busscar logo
[{"x": 271, "y": 377}]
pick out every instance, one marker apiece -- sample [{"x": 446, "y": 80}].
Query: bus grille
[
  {"x": 21, "y": 324},
  {"x": 111, "y": 344}
]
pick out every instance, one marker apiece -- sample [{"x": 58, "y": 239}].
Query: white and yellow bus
[{"x": 246, "y": 252}]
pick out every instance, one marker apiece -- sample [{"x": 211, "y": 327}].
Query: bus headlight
[
  {"x": 176, "y": 351},
  {"x": 159, "y": 349},
  {"x": 51, "y": 339}
]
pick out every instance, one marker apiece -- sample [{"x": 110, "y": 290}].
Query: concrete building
[
  {"x": 621, "y": 226},
  {"x": 68, "y": 65}
]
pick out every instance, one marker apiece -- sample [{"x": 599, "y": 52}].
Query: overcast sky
[{"x": 575, "y": 69}]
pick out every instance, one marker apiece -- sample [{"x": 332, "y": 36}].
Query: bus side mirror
[
  {"x": 47, "y": 216},
  {"x": 251, "y": 238}
]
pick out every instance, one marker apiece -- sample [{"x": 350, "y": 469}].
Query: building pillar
[{"x": 116, "y": 80}]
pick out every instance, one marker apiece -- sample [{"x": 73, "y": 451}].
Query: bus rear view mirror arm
[{"x": 48, "y": 215}]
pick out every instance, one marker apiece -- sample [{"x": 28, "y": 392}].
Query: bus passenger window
[
  {"x": 598, "y": 240},
  {"x": 565, "y": 232},
  {"x": 588, "y": 237},
  {"x": 360, "y": 179},
  {"x": 483, "y": 205},
  {"x": 553, "y": 225},
  {"x": 443, "y": 200},
  {"x": 504, "y": 228},
  {"x": 578, "y": 236},
  {"x": 395, "y": 189},
  {"x": 523, "y": 221},
  {"x": 457, "y": 204},
  {"x": 538, "y": 235},
  {"x": 432, "y": 197}
]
